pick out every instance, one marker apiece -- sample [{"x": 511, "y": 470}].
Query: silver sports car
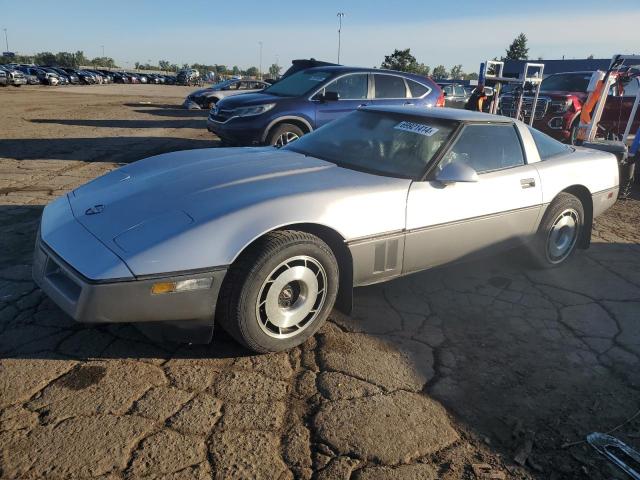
[{"x": 267, "y": 241}]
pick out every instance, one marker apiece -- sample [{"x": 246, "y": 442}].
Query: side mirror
[
  {"x": 330, "y": 97},
  {"x": 456, "y": 172},
  {"x": 444, "y": 93}
]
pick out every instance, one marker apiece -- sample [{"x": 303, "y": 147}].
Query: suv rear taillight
[{"x": 440, "y": 101}]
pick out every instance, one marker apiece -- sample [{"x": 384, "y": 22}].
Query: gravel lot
[{"x": 449, "y": 374}]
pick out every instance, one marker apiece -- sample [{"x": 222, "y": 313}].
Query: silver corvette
[{"x": 267, "y": 241}]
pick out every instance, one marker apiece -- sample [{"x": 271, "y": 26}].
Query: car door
[
  {"x": 352, "y": 90},
  {"x": 455, "y": 221},
  {"x": 390, "y": 89}
]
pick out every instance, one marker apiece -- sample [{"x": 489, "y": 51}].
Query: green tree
[
  {"x": 590, "y": 57},
  {"x": 422, "y": 69},
  {"x": 518, "y": 49},
  {"x": 235, "y": 70},
  {"x": 44, "y": 58},
  {"x": 274, "y": 70},
  {"x": 400, "y": 60},
  {"x": 80, "y": 58},
  {"x": 471, "y": 76},
  {"x": 107, "y": 62},
  {"x": 252, "y": 72},
  {"x": 440, "y": 72},
  {"x": 164, "y": 65},
  {"x": 456, "y": 72},
  {"x": 66, "y": 59}
]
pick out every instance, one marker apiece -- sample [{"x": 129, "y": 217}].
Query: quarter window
[
  {"x": 390, "y": 86},
  {"x": 349, "y": 87},
  {"x": 486, "y": 148},
  {"x": 547, "y": 146},
  {"x": 416, "y": 89}
]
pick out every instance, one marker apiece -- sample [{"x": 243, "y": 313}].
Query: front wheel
[
  {"x": 279, "y": 292},
  {"x": 284, "y": 134},
  {"x": 560, "y": 231}
]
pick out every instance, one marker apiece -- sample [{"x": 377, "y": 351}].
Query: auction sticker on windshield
[{"x": 418, "y": 128}]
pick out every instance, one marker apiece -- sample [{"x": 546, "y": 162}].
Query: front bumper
[
  {"x": 122, "y": 301},
  {"x": 235, "y": 134}
]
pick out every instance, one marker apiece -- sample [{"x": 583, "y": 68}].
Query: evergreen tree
[{"x": 518, "y": 49}]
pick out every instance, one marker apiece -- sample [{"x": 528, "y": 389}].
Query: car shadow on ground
[
  {"x": 178, "y": 123},
  {"x": 176, "y": 112},
  {"x": 512, "y": 352},
  {"x": 101, "y": 149}
]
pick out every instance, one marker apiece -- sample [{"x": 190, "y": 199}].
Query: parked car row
[
  {"x": 23, "y": 74},
  {"x": 305, "y": 100}
]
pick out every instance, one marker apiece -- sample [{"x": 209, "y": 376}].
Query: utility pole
[
  {"x": 6, "y": 39},
  {"x": 340, "y": 16},
  {"x": 260, "y": 68},
  {"x": 102, "y": 50}
]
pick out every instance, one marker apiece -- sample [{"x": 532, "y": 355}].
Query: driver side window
[
  {"x": 350, "y": 87},
  {"x": 486, "y": 148}
]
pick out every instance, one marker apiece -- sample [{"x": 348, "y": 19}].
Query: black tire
[
  {"x": 564, "y": 208},
  {"x": 283, "y": 134},
  {"x": 574, "y": 131},
  {"x": 238, "y": 310}
]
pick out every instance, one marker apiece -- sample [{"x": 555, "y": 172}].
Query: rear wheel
[
  {"x": 279, "y": 292},
  {"x": 560, "y": 231},
  {"x": 284, "y": 134}
]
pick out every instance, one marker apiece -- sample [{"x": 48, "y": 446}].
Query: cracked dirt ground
[{"x": 444, "y": 374}]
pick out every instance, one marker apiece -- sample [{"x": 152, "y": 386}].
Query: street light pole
[
  {"x": 102, "y": 50},
  {"x": 6, "y": 39},
  {"x": 260, "y": 68},
  {"x": 340, "y": 16}
]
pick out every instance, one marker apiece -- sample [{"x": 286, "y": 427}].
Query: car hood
[
  {"x": 248, "y": 100},
  {"x": 146, "y": 202}
]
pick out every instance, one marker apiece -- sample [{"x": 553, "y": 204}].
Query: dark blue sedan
[{"x": 311, "y": 98}]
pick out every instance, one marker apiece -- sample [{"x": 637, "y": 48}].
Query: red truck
[{"x": 560, "y": 102}]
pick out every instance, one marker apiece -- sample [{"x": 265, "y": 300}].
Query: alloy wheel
[{"x": 291, "y": 297}]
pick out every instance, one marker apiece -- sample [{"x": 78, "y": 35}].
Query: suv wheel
[{"x": 284, "y": 134}]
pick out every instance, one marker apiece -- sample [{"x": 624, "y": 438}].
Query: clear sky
[{"x": 228, "y": 32}]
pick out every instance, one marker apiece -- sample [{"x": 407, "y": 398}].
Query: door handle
[
  {"x": 362, "y": 105},
  {"x": 408, "y": 103},
  {"x": 528, "y": 182}
]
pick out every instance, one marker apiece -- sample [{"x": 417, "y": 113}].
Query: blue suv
[{"x": 310, "y": 98}]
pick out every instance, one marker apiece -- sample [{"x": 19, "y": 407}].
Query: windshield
[
  {"x": 220, "y": 85},
  {"x": 386, "y": 143},
  {"x": 298, "y": 84},
  {"x": 566, "y": 82}
]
